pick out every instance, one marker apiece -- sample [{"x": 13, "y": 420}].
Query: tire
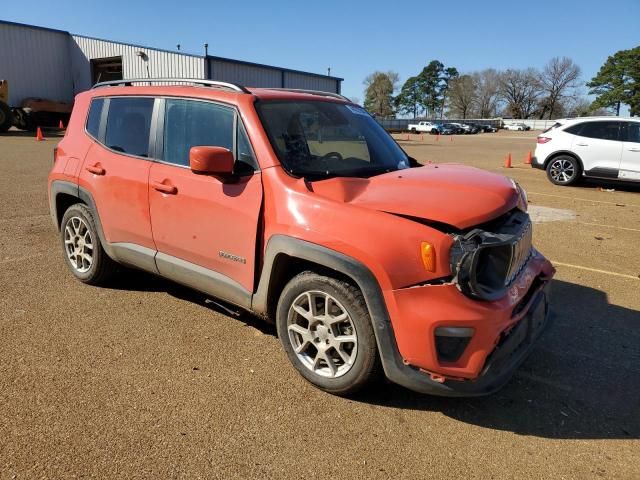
[
  {"x": 6, "y": 117},
  {"x": 413, "y": 130},
  {"x": 564, "y": 170},
  {"x": 353, "y": 364},
  {"x": 90, "y": 265}
]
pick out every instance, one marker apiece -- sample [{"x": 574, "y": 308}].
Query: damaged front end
[{"x": 485, "y": 261}]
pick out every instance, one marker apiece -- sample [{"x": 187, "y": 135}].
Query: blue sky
[{"x": 357, "y": 37}]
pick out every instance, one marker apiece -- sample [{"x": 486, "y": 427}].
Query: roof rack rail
[
  {"x": 312, "y": 92},
  {"x": 196, "y": 81}
]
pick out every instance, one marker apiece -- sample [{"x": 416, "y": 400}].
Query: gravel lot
[{"x": 150, "y": 380}]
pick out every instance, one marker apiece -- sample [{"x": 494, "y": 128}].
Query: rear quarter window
[{"x": 93, "y": 119}]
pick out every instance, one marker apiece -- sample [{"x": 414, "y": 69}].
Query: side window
[
  {"x": 246, "y": 162},
  {"x": 189, "y": 123},
  {"x": 128, "y": 125},
  {"x": 600, "y": 130},
  {"x": 93, "y": 120},
  {"x": 633, "y": 132}
]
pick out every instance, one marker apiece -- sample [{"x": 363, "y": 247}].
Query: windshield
[{"x": 316, "y": 140}]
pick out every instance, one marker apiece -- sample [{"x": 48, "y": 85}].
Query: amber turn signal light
[{"x": 428, "y": 254}]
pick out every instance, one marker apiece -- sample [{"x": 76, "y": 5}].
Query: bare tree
[
  {"x": 462, "y": 95},
  {"x": 559, "y": 78},
  {"x": 520, "y": 89},
  {"x": 486, "y": 92}
]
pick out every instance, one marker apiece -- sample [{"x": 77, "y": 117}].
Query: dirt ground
[{"x": 150, "y": 380}]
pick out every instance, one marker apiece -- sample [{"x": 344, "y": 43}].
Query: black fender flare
[
  {"x": 394, "y": 367},
  {"x": 84, "y": 196},
  {"x": 563, "y": 152}
]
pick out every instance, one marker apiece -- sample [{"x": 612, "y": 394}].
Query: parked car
[
  {"x": 457, "y": 128},
  {"x": 426, "y": 127},
  {"x": 520, "y": 127},
  {"x": 298, "y": 206},
  {"x": 485, "y": 128},
  {"x": 597, "y": 147},
  {"x": 445, "y": 129},
  {"x": 470, "y": 128}
]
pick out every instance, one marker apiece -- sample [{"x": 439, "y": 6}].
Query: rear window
[
  {"x": 93, "y": 120},
  {"x": 128, "y": 125}
]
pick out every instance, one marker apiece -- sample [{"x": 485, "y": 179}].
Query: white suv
[{"x": 598, "y": 147}]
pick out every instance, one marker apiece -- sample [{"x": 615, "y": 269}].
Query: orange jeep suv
[{"x": 298, "y": 206}]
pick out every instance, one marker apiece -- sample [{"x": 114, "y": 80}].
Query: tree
[
  {"x": 378, "y": 97},
  {"x": 618, "y": 82},
  {"x": 486, "y": 92},
  {"x": 449, "y": 74},
  {"x": 520, "y": 89},
  {"x": 559, "y": 76},
  {"x": 462, "y": 95},
  {"x": 410, "y": 98},
  {"x": 430, "y": 80}
]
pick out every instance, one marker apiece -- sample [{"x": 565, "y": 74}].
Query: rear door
[
  {"x": 599, "y": 146},
  {"x": 204, "y": 224},
  {"x": 630, "y": 164},
  {"x": 116, "y": 168}
]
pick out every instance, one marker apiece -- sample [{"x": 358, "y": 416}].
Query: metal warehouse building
[{"x": 54, "y": 64}]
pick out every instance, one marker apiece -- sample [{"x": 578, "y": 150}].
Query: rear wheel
[
  {"x": 83, "y": 251},
  {"x": 564, "y": 170},
  {"x": 325, "y": 328}
]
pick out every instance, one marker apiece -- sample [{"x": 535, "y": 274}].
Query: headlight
[{"x": 523, "y": 201}]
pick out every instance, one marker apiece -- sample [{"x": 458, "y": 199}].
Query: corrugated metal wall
[
  {"x": 247, "y": 75},
  {"x": 36, "y": 63},
  {"x": 160, "y": 63},
  {"x": 310, "y": 82}
]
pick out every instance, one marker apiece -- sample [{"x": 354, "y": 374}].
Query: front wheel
[
  {"x": 325, "y": 328},
  {"x": 564, "y": 170}
]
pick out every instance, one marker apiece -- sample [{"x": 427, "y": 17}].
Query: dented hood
[{"x": 452, "y": 194}]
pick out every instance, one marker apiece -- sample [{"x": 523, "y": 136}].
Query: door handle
[
  {"x": 95, "y": 169},
  {"x": 582, "y": 144},
  {"x": 634, "y": 149},
  {"x": 165, "y": 187}
]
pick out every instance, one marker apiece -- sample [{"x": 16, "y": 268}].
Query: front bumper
[{"x": 505, "y": 332}]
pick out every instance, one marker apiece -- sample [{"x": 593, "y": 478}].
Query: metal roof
[{"x": 179, "y": 52}]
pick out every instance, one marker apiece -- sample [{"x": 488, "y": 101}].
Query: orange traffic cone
[
  {"x": 451, "y": 138},
  {"x": 39, "y": 136},
  {"x": 528, "y": 159},
  {"x": 422, "y": 138},
  {"x": 61, "y": 125},
  {"x": 437, "y": 137},
  {"x": 507, "y": 162},
  {"x": 407, "y": 137}
]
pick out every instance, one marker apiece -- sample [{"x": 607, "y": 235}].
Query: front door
[
  {"x": 599, "y": 147},
  {"x": 204, "y": 227},
  {"x": 630, "y": 164}
]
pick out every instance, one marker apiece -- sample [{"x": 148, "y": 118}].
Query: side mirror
[{"x": 211, "y": 160}]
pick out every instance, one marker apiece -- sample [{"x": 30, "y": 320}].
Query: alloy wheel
[
  {"x": 78, "y": 244},
  {"x": 562, "y": 170},
  {"x": 322, "y": 334}
]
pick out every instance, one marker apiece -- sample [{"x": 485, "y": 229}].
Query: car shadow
[
  {"x": 139, "y": 281},
  {"x": 618, "y": 186},
  {"x": 582, "y": 381}
]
